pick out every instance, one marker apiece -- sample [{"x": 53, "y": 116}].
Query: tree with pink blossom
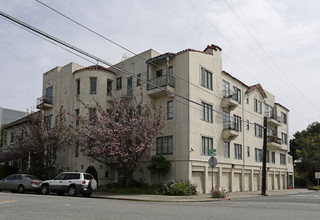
[
  {"x": 122, "y": 135},
  {"x": 40, "y": 139}
]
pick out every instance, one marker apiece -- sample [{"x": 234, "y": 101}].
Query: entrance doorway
[{"x": 91, "y": 170}]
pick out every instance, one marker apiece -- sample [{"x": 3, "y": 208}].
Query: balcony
[
  {"x": 167, "y": 86},
  {"x": 45, "y": 102},
  {"x": 230, "y": 131},
  {"x": 273, "y": 141},
  {"x": 229, "y": 101},
  {"x": 273, "y": 120}
]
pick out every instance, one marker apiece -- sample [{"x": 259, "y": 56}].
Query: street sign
[
  {"x": 213, "y": 162},
  {"x": 212, "y": 152},
  {"x": 317, "y": 175}
]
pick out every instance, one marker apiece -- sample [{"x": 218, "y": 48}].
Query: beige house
[{"x": 206, "y": 108}]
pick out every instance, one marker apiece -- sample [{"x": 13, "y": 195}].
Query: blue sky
[{"x": 271, "y": 42}]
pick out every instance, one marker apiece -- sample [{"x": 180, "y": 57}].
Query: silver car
[{"x": 21, "y": 183}]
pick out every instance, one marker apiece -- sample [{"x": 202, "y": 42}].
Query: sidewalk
[{"x": 197, "y": 198}]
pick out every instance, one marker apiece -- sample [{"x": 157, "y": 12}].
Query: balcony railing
[
  {"x": 230, "y": 125},
  {"x": 274, "y": 139},
  {"x": 160, "y": 82},
  {"x": 229, "y": 94},
  {"x": 44, "y": 102}
]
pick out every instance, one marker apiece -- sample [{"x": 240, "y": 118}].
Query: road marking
[{"x": 7, "y": 201}]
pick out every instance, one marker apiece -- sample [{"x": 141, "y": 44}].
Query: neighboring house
[
  {"x": 228, "y": 119},
  {"x": 7, "y": 116},
  {"x": 10, "y": 115},
  {"x": 7, "y": 156}
]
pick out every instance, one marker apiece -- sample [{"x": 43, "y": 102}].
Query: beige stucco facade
[{"x": 204, "y": 115}]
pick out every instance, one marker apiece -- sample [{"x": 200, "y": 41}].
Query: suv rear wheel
[{"x": 72, "y": 191}]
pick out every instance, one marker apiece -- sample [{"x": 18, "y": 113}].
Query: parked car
[
  {"x": 71, "y": 183},
  {"x": 21, "y": 183}
]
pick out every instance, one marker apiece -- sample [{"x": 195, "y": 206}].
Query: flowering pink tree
[
  {"x": 41, "y": 139},
  {"x": 121, "y": 135}
]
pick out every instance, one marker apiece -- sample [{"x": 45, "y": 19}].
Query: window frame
[
  {"x": 207, "y": 112},
  {"x": 207, "y": 144},
  {"x": 166, "y": 145},
  {"x": 258, "y": 130},
  {"x": 93, "y": 85},
  {"x": 119, "y": 83},
  {"x": 78, "y": 86},
  {"x": 237, "y": 151},
  {"x": 226, "y": 148},
  {"x": 170, "y": 110},
  {"x": 206, "y": 78}
]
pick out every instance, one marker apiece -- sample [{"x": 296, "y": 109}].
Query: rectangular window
[
  {"x": 283, "y": 118},
  {"x": 207, "y": 144},
  {"x": 76, "y": 153},
  {"x": 170, "y": 110},
  {"x": 226, "y": 149},
  {"x": 268, "y": 158},
  {"x": 282, "y": 159},
  {"x": 226, "y": 120},
  {"x": 248, "y": 125},
  {"x": 206, "y": 78},
  {"x": 238, "y": 151},
  {"x": 206, "y": 112},
  {"x": 247, "y": 98},
  {"x": 159, "y": 73},
  {"x": 12, "y": 138},
  {"x": 258, "y": 130},
  {"x": 273, "y": 157},
  {"x": 284, "y": 138},
  {"x": 78, "y": 86},
  {"x": 248, "y": 151},
  {"x": 48, "y": 122},
  {"x": 257, "y": 106},
  {"x": 129, "y": 86},
  {"x": 164, "y": 145},
  {"x": 258, "y": 155},
  {"x": 237, "y": 94},
  {"x": 225, "y": 89},
  {"x": 237, "y": 123},
  {"x": 139, "y": 79},
  {"x": 77, "y": 111},
  {"x": 119, "y": 83},
  {"x": 93, "y": 85},
  {"x": 109, "y": 87},
  {"x": 49, "y": 95}
]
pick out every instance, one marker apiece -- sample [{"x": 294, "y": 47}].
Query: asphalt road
[{"x": 32, "y": 206}]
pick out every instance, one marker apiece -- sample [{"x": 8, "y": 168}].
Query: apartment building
[{"x": 206, "y": 108}]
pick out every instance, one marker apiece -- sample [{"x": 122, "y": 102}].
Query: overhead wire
[
  {"x": 130, "y": 51},
  {"x": 287, "y": 80},
  {"x": 41, "y": 33}
]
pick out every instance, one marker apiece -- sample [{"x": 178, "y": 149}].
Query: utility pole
[{"x": 264, "y": 157}]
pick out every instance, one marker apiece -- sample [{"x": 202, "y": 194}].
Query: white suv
[{"x": 71, "y": 183}]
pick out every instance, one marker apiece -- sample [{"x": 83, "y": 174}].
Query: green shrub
[
  {"x": 314, "y": 188},
  {"x": 180, "y": 188}
]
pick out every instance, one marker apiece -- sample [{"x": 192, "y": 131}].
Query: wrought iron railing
[
  {"x": 229, "y": 94},
  {"x": 274, "y": 139},
  {"x": 45, "y": 100}
]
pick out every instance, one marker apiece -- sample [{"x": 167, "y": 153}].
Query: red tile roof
[
  {"x": 257, "y": 86},
  {"x": 213, "y": 47},
  {"x": 94, "y": 67}
]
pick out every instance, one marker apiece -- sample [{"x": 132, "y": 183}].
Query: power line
[
  {"x": 267, "y": 54},
  {"x": 28, "y": 27}
]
